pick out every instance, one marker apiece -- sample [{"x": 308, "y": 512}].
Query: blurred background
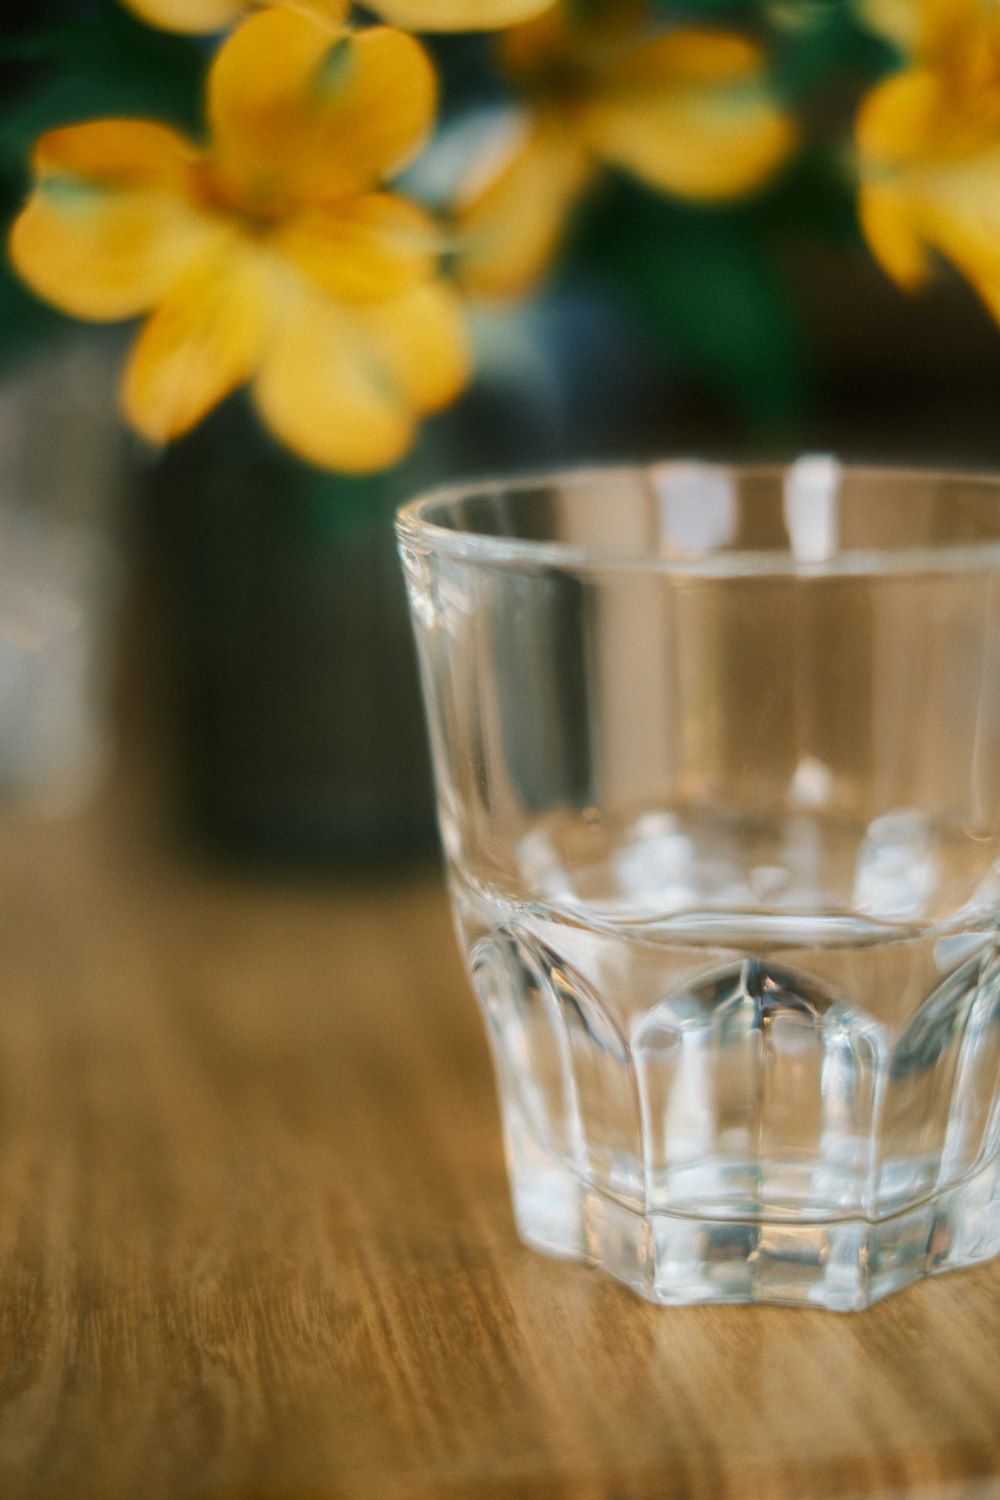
[{"x": 250, "y": 600}]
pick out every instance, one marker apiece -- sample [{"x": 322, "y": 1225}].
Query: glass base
[{"x": 676, "y": 1259}]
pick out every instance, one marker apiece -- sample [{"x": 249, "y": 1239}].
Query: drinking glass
[{"x": 717, "y": 753}]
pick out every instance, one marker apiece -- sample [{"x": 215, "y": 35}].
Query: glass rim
[{"x": 415, "y": 528}]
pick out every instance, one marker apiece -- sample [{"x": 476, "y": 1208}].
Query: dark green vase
[{"x": 301, "y": 730}]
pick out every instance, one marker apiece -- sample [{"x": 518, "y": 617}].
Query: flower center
[{"x": 257, "y": 203}]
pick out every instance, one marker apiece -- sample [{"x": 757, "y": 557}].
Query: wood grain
[{"x": 255, "y": 1241}]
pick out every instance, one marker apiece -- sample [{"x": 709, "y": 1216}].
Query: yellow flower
[
  {"x": 684, "y": 110},
  {"x": 929, "y": 148},
  {"x": 270, "y": 256},
  {"x": 926, "y": 27},
  {"x": 414, "y": 15},
  {"x": 898, "y": 20}
]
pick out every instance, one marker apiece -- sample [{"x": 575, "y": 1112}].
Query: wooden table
[{"x": 255, "y": 1242}]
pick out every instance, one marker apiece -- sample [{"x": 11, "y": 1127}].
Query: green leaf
[
  {"x": 706, "y": 10},
  {"x": 705, "y": 286},
  {"x": 815, "y": 199},
  {"x": 819, "y": 46}
]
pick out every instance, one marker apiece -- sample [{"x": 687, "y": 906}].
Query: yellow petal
[
  {"x": 121, "y": 154},
  {"x": 300, "y": 109},
  {"x": 196, "y": 16},
  {"x": 330, "y": 12},
  {"x": 690, "y": 55},
  {"x": 526, "y": 49},
  {"x": 929, "y": 152},
  {"x": 901, "y": 119},
  {"x": 929, "y": 29},
  {"x": 687, "y": 113},
  {"x": 887, "y": 221},
  {"x": 900, "y": 21},
  {"x": 919, "y": 27},
  {"x": 374, "y": 111},
  {"x": 187, "y": 15},
  {"x": 344, "y": 387},
  {"x": 421, "y": 339},
  {"x": 258, "y": 96},
  {"x": 204, "y": 339},
  {"x": 458, "y": 15},
  {"x": 947, "y": 26},
  {"x": 511, "y": 224},
  {"x": 373, "y": 246},
  {"x": 581, "y": 41},
  {"x": 957, "y": 207},
  {"x": 110, "y": 225},
  {"x": 929, "y": 179}
]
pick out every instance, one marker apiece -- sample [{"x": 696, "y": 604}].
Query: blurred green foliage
[
  {"x": 711, "y": 285},
  {"x": 707, "y": 286}
]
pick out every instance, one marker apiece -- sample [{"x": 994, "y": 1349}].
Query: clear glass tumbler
[{"x": 718, "y": 764}]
